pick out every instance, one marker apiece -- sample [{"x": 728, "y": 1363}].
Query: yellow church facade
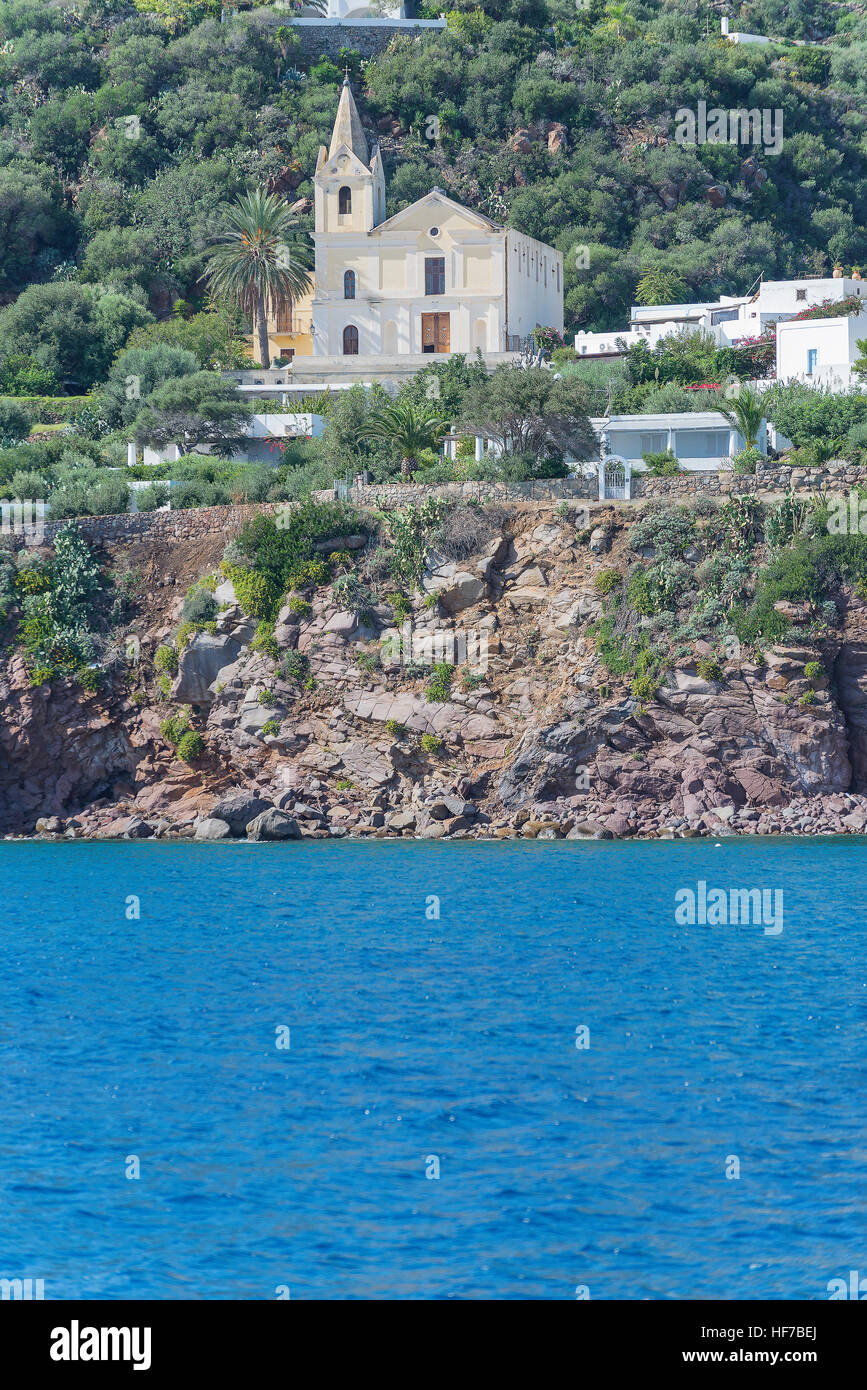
[{"x": 435, "y": 278}]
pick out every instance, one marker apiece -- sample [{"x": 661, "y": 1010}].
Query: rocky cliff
[{"x": 530, "y": 736}]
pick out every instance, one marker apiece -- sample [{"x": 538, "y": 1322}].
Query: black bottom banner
[{"x": 161, "y": 1340}]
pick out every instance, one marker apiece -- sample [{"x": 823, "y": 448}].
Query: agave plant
[{"x": 260, "y": 260}]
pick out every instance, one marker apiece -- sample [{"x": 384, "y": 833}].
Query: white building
[
  {"x": 351, "y": 9},
  {"x": 701, "y": 440},
  {"x": 740, "y": 38},
  {"x": 434, "y": 278},
  {"x": 262, "y": 429},
  {"x": 821, "y": 352},
  {"x": 729, "y": 320}
]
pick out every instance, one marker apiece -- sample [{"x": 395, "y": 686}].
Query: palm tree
[
  {"x": 409, "y": 427},
  {"x": 658, "y": 286},
  {"x": 620, "y": 19},
  {"x": 259, "y": 261},
  {"x": 746, "y": 415}
]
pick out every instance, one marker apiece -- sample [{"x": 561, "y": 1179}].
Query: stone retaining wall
[
  {"x": 158, "y": 526},
  {"x": 387, "y": 496},
  {"x": 320, "y": 36},
  {"x": 837, "y": 477}
]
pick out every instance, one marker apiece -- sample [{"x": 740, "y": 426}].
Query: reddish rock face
[
  {"x": 58, "y": 749},
  {"x": 542, "y": 737}
]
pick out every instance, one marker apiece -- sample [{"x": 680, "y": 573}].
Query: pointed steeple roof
[{"x": 347, "y": 126}]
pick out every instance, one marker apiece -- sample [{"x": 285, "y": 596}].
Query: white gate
[{"x": 614, "y": 479}]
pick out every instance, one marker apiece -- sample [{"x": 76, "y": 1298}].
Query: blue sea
[{"x": 420, "y": 1070}]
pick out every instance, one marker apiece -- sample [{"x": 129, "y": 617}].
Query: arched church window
[
  {"x": 350, "y": 340},
  {"x": 344, "y": 200},
  {"x": 349, "y": 284}
]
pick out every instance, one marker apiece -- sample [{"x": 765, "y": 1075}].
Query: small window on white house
[
  {"x": 655, "y": 443},
  {"x": 812, "y": 360},
  {"x": 800, "y": 294}
]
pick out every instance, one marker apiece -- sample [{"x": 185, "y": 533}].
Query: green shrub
[
  {"x": 670, "y": 530},
  {"x": 55, "y": 410},
  {"x": 814, "y": 670},
  {"x": 300, "y": 607},
  {"x": 199, "y": 606},
  {"x": 15, "y": 421},
  {"x": 808, "y": 697},
  {"x": 606, "y": 580},
  {"x": 401, "y": 607},
  {"x": 279, "y": 550},
  {"x": 166, "y": 659},
  {"x": 367, "y": 661},
  {"x": 89, "y": 678},
  {"x": 295, "y": 666},
  {"x": 164, "y": 686},
  {"x": 39, "y": 675},
  {"x": 190, "y": 746},
  {"x": 439, "y": 684},
  {"x": 431, "y": 744},
  {"x": 189, "y": 629},
  {"x": 662, "y": 465},
  {"x": 471, "y": 681},
  {"x": 148, "y": 499},
  {"x": 393, "y": 727},
  {"x": 613, "y": 652},
  {"x": 90, "y": 492},
  {"x": 638, "y": 593},
  {"x": 58, "y": 624},
  {"x": 644, "y": 687},
  {"x": 309, "y": 572},
  {"x": 745, "y": 462},
  {"x": 708, "y": 669},
  {"x": 264, "y": 640},
  {"x": 257, "y": 594},
  {"x": 343, "y": 784},
  {"x": 174, "y": 728},
  {"x": 271, "y": 728}
]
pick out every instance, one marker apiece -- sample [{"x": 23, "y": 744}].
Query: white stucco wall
[
  {"x": 835, "y": 342},
  {"x": 534, "y": 285}
]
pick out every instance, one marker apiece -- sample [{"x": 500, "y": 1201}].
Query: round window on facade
[{"x": 434, "y": 231}]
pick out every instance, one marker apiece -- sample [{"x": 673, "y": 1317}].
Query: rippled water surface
[{"x": 414, "y": 1038}]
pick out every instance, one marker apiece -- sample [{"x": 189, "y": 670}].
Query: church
[{"x": 434, "y": 278}]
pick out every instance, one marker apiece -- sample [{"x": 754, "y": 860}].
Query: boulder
[
  {"x": 462, "y": 591},
  {"x": 225, "y": 592},
  {"x": 449, "y": 806},
  {"x": 254, "y": 715},
  {"x": 138, "y": 829},
  {"x": 238, "y": 808},
  {"x": 198, "y": 664},
  {"x": 340, "y": 543},
  {"x": 212, "y": 829},
  {"x": 49, "y": 825},
  {"x": 273, "y": 825},
  {"x": 343, "y": 623}
]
